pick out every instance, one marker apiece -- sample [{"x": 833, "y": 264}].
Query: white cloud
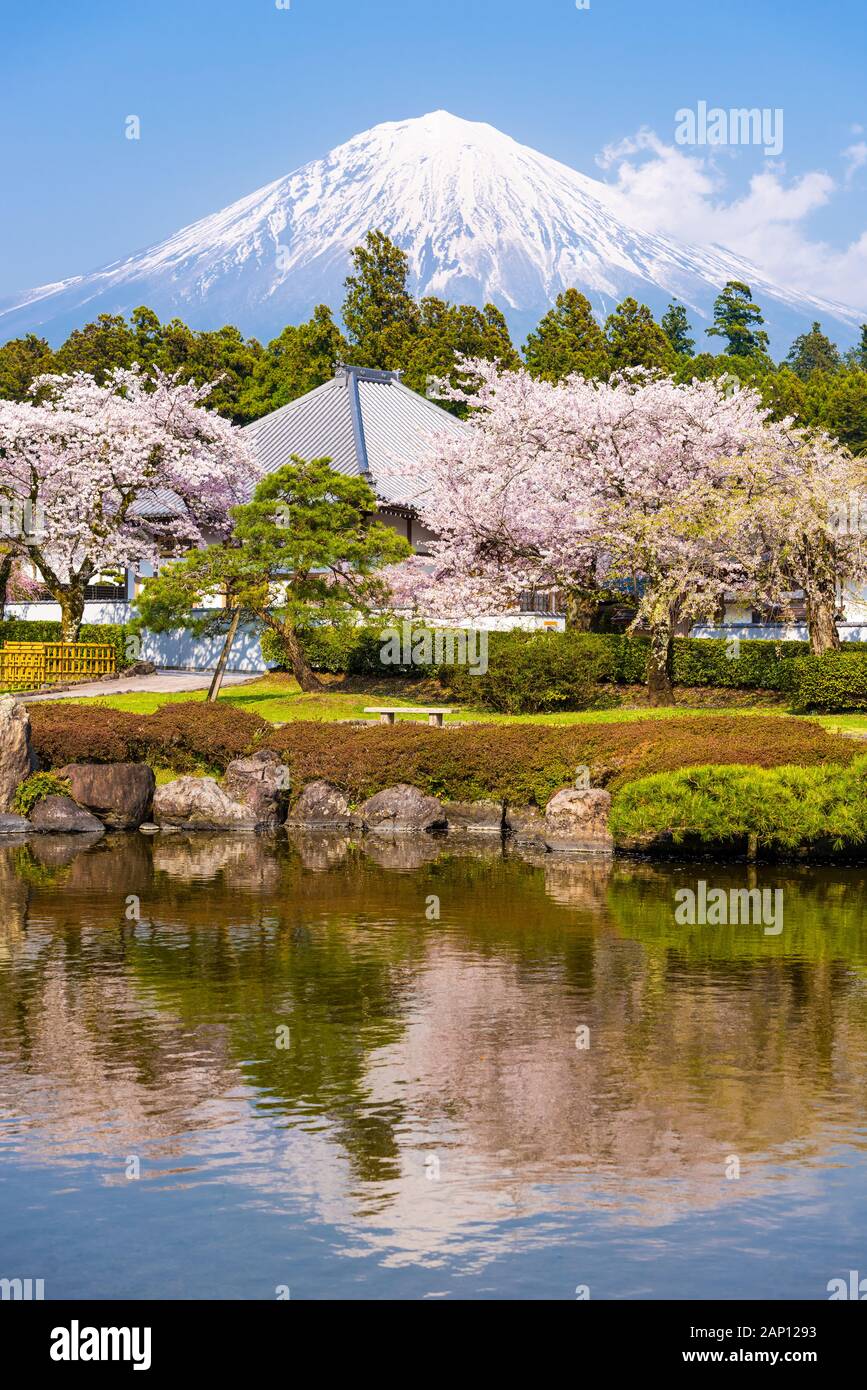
[
  {"x": 682, "y": 193},
  {"x": 855, "y": 156}
]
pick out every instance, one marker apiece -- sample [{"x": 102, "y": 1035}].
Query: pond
[{"x": 245, "y": 1067}]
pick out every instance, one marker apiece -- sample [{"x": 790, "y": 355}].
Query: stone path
[{"x": 161, "y": 683}]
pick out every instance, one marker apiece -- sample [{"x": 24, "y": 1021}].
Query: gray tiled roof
[
  {"x": 158, "y": 504},
  {"x": 366, "y": 422}
]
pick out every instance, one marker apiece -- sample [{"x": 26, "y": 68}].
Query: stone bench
[{"x": 387, "y": 713}]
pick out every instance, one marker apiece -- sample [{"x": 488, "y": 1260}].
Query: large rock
[
  {"x": 402, "y": 810},
  {"x": 198, "y": 803},
  {"x": 261, "y": 783},
  {"x": 59, "y": 815},
  {"x": 13, "y": 825},
  {"x": 118, "y": 794},
  {"x": 321, "y": 806},
  {"x": 576, "y": 822},
  {"x": 16, "y": 759},
  {"x": 474, "y": 817}
]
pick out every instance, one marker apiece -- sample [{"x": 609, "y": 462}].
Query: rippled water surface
[{"x": 324, "y": 1088}]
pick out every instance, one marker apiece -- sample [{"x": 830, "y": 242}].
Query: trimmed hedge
[
  {"x": 784, "y": 809},
  {"x": 62, "y": 734},
  {"x": 22, "y": 630},
  {"x": 183, "y": 736},
  {"x": 834, "y": 682},
  {"x": 527, "y": 764},
  {"x": 531, "y": 672},
  {"x": 347, "y": 650}
]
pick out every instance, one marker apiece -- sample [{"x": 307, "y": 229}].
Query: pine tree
[
  {"x": 857, "y": 356},
  {"x": 784, "y": 394},
  {"x": 568, "y": 340},
  {"x": 635, "y": 339},
  {"x": 98, "y": 347},
  {"x": 843, "y": 410},
  {"x": 21, "y": 361},
  {"x": 225, "y": 357},
  {"x": 676, "y": 327},
  {"x": 813, "y": 352},
  {"x": 381, "y": 316},
  {"x": 449, "y": 331},
  {"x": 739, "y": 320}
]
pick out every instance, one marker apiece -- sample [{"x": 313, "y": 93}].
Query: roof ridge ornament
[{"x": 345, "y": 372}]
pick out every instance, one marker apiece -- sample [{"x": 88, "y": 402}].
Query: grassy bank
[
  {"x": 810, "y": 811},
  {"x": 279, "y": 700}
]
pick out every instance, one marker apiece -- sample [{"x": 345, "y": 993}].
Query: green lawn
[{"x": 278, "y": 699}]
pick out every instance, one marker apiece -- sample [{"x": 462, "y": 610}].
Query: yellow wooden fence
[{"x": 27, "y": 665}]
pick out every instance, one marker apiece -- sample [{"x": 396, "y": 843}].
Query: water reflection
[{"x": 433, "y": 1106}]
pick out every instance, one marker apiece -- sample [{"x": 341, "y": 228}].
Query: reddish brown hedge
[
  {"x": 521, "y": 763},
  {"x": 181, "y": 736},
  {"x": 64, "y": 734},
  {"x": 525, "y": 764}
]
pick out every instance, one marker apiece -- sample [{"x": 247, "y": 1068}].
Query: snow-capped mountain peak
[{"x": 482, "y": 218}]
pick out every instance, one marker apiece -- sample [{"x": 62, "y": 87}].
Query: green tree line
[{"x": 385, "y": 326}]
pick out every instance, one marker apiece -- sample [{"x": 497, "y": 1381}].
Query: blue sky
[{"x": 233, "y": 93}]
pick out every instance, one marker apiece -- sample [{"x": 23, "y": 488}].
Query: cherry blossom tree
[
  {"x": 636, "y": 482},
  {"x": 803, "y": 513},
  {"x": 16, "y": 586},
  {"x": 119, "y": 474}
]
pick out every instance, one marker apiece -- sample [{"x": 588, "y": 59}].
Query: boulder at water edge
[
  {"x": 16, "y": 758},
  {"x": 402, "y": 809},
  {"x": 260, "y": 783},
  {"x": 322, "y": 806},
  {"x": 198, "y": 803},
  {"x": 59, "y": 815},
  {"x": 576, "y": 822},
  {"x": 474, "y": 817},
  {"x": 118, "y": 794}
]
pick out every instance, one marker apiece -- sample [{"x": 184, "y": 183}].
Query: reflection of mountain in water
[{"x": 409, "y": 1038}]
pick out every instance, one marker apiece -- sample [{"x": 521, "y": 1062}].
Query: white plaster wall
[{"x": 169, "y": 650}]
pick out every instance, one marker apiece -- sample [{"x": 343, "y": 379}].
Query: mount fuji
[{"x": 481, "y": 217}]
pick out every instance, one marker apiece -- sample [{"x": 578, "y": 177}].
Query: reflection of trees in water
[{"x": 408, "y": 1034}]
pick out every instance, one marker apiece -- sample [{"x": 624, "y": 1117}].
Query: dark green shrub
[
  {"x": 834, "y": 682},
  {"x": 35, "y": 789},
  {"x": 735, "y": 664},
  {"x": 555, "y": 670},
  {"x": 529, "y": 673},
  {"x": 354, "y": 650},
  {"x": 327, "y": 648},
  {"x": 525, "y": 764}
]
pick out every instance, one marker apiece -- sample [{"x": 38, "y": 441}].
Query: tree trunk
[
  {"x": 822, "y": 624},
  {"x": 6, "y": 563},
  {"x": 660, "y": 662},
  {"x": 581, "y": 609},
  {"x": 301, "y": 670},
  {"x": 71, "y": 600},
  {"x": 220, "y": 671}
]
